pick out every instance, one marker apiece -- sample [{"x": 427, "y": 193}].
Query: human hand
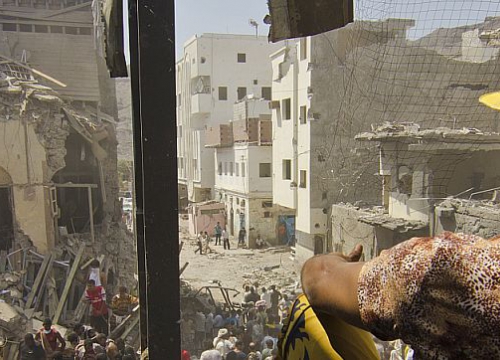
[{"x": 330, "y": 283}]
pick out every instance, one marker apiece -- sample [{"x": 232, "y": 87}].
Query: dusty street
[{"x": 236, "y": 267}]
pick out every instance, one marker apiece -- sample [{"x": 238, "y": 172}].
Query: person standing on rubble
[
  {"x": 241, "y": 236},
  {"x": 225, "y": 239},
  {"x": 51, "y": 340},
  {"x": 266, "y": 295},
  {"x": 218, "y": 234},
  {"x": 199, "y": 327},
  {"x": 199, "y": 242},
  {"x": 207, "y": 239},
  {"x": 30, "y": 349},
  {"x": 275, "y": 297},
  {"x": 95, "y": 273},
  {"x": 122, "y": 305},
  {"x": 96, "y": 296}
]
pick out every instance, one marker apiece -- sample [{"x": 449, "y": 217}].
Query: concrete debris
[
  {"x": 412, "y": 132},
  {"x": 394, "y": 224}
]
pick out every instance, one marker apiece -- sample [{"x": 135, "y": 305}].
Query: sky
[
  {"x": 217, "y": 16},
  {"x": 232, "y": 16}
]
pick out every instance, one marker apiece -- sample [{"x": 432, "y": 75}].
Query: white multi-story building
[
  {"x": 243, "y": 159},
  {"x": 215, "y": 72}
]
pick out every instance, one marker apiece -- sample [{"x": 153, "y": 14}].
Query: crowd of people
[
  {"x": 86, "y": 342},
  {"x": 250, "y": 332}
]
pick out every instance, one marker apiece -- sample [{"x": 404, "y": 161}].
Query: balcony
[{"x": 201, "y": 97}]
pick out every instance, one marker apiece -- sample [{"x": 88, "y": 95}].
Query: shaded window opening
[
  {"x": 287, "y": 169},
  {"x": 242, "y": 92},
  {"x": 6, "y": 218},
  {"x": 286, "y": 109},
  {"x": 222, "y": 93},
  {"x": 9, "y": 27},
  {"x": 73, "y": 202},
  {"x": 242, "y": 58},
  {"x": 264, "y": 170},
  {"x": 266, "y": 93}
]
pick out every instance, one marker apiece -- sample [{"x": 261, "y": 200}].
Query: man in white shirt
[
  {"x": 266, "y": 296},
  {"x": 225, "y": 239}
]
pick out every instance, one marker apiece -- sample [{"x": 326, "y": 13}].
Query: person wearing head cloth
[
  {"x": 221, "y": 342},
  {"x": 440, "y": 295}
]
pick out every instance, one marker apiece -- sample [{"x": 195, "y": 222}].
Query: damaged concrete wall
[
  {"x": 348, "y": 231},
  {"x": 362, "y": 75},
  {"x": 24, "y": 158},
  {"x": 470, "y": 217},
  {"x": 261, "y": 219}
]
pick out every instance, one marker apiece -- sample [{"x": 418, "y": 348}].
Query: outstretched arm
[{"x": 330, "y": 283}]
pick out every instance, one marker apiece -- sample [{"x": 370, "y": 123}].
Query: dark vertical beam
[
  {"x": 157, "y": 136},
  {"x": 138, "y": 180}
]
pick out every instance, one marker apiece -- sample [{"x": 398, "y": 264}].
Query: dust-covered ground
[{"x": 237, "y": 267}]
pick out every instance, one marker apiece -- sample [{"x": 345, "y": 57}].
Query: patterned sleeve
[{"x": 441, "y": 295}]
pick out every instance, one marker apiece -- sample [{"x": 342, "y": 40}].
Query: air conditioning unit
[{"x": 275, "y": 104}]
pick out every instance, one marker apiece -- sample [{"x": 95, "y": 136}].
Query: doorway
[
  {"x": 319, "y": 244},
  {"x": 6, "y": 218}
]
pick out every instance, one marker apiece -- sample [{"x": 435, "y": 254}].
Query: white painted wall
[
  {"x": 291, "y": 79},
  {"x": 283, "y": 130},
  {"x": 249, "y": 157},
  {"x": 215, "y": 55}
]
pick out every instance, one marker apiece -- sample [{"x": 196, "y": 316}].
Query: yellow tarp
[{"x": 491, "y": 100}]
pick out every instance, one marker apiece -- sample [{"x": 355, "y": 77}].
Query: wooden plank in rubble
[
  {"x": 47, "y": 260},
  {"x": 67, "y": 285}
]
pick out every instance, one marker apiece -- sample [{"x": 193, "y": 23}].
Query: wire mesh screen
[{"x": 422, "y": 66}]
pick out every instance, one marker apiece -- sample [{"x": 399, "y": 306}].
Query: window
[
  {"x": 237, "y": 169},
  {"x": 41, "y": 28},
  {"x": 71, "y": 30},
  {"x": 242, "y": 92},
  {"x": 267, "y": 214},
  {"x": 242, "y": 58},
  {"x": 243, "y": 169},
  {"x": 267, "y": 204},
  {"x": 303, "y": 48},
  {"x": 220, "y": 168},
  {"x": 231, "y": 168},
  {"x": 9, "y": 27},
  {"x": 181, "y": 163},
  {"x": 222, "y": 93},
  {"x": 237, "y": 201},
  {"x": 203, "y": 60},
  {"x": 287, "y": 169},
  {"x": 303, "y": 114},
  {"x": 256, "y": 82},
  {"x": 56, "y": 29},
  {"x": 286, "y": 109},
  {"x": 85, "y": 31},
  {"x": 266, "y": 93},
  {"x": 25, "y": 28},
  {"x": 225, "y": 168},
  {"x": 264, "y": 170},
  {"x": 303, "y": 179}
]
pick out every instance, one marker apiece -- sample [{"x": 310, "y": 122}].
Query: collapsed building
[
  {"x": 59, "y": 204},
  {"x": 434, "y": 180}
]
